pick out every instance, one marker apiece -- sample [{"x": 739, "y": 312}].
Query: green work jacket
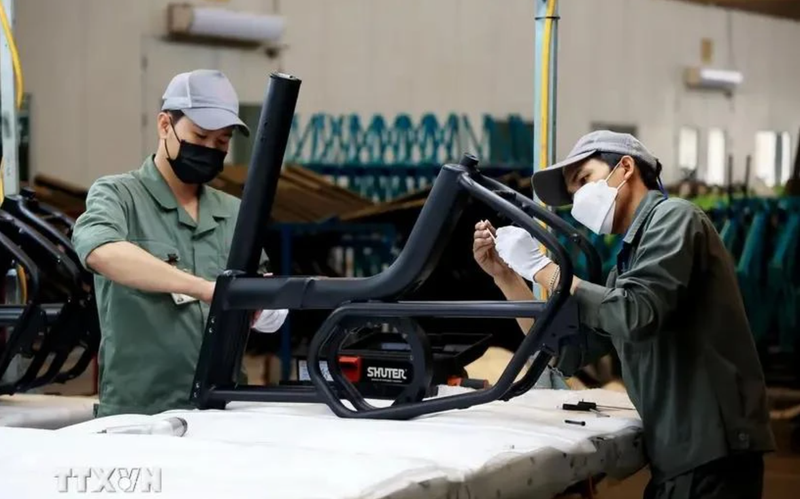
[
  {"x": 673, "y": 311},
  {"x": 150, "y": 345}
]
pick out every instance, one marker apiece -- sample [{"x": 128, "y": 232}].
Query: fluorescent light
[
  {"x": 712, "y": 78},
  {"x": 187, "y": 20},
  {"x": 723, "y": 76}
]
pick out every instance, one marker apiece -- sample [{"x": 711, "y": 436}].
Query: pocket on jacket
[
  {"x": 727, "y": 386},
  {"x": 163, "y": 251}
]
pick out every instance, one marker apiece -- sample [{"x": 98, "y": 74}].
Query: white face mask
[{"x": 594, "y": 203}]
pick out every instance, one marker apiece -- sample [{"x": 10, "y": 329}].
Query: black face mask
[{"x": 196, "y": 164}]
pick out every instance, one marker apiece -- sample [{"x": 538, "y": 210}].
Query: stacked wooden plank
[
  {"x": 302, "y": 196},
  {"x": 69, "y": 198}
]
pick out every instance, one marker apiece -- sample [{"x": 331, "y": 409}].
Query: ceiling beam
[{"x": 780, "y": 8}]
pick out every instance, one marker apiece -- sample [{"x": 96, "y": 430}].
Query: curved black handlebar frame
[
  {"x": 30, "y": 210},
  {"x": 78, "y": 326},
  {"x": 594, "y": 263},
  {"x": 529, "y": 206},
  {"x": 239, "y": 290},
  {"x": 62, "y": 327},
  {"x": 32, "y": 319}
]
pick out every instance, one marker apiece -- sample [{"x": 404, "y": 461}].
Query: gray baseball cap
[
  {"x": 550, "y": 185},
  {"x": 206, "y": 97}
]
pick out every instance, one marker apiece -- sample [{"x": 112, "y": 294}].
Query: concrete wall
[{"x": 96, "y": 69}]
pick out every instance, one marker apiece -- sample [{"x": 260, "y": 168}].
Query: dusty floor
[{"x": 782, "y": 477}]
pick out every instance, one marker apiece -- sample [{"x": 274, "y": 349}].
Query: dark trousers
[{"x": 733, "y": 477}]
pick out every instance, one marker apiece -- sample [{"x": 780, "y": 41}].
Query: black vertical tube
[
  {"x": 226, "y": 331},
  {"x": 796, "y": 169},
  {"x": 746, "y": 187},
  {"x": 274, "y": 126},
  {"x": 730, "y": 180}
]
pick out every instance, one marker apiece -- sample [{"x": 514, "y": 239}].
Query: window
[
  {"x": 241, "y": 147},
  {"x": 688, "y": 139},
  {"x": 773, "y": 157},
  {"x": 785, "y": 152},
  {"x": 716, "y": 159}
]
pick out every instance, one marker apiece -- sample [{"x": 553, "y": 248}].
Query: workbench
[
  {"x": 47, "y": 412},
  {"x": 521, "y": 448}
]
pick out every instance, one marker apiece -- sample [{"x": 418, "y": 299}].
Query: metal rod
[
  {"x": 8, "y": 110},
  {"x": 545, "y": 91},
  {"x": 257, "y": 393},
  {"x": 226, "y": 332},
  {"x": 544, "y": 122},
  {"x": 269, "y": 148}
]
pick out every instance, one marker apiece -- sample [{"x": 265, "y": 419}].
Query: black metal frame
[
  {"x": 78, "y": 327},
  {"x": 62, "y": 327},
  {"x": 240, "y": 290},
  {"x": 31, "y": 321}
]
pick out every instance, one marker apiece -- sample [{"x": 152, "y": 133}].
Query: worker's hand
[
  {"x": 268, "y": 321},
  {"x": 520, "y": 251},
  {"x": 483, "y": 251}
]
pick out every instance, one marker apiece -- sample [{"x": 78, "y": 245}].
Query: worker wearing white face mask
[{"x": 671, "y": 308}]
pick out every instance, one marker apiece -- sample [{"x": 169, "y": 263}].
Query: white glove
[
  {"x": 520, "y": 251},
  {"x": 270, "y": 321}
]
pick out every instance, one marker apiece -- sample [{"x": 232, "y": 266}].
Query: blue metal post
[
  {"x": 541, "y": 14},
  {"x": 551, "y": 154},
  {"x": 545, "y": 10},
  {"x": 538, "y": 128},
  {"x": 8, "y": 108},
  {"x": 546, "y": 13}
]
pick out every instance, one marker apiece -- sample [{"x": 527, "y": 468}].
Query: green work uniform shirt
[
  {"x": 150, "y": 345},
  {"x": 673, "y": 311}
]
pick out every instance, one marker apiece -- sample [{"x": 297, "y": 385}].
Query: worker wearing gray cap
[
  {"x": 671, "y": 308},
  {"x": 156, "y": 239}
]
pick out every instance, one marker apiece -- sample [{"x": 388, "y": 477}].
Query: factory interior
[{"x": 374, "y": 249}]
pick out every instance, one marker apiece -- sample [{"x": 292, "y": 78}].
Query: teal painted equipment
[
  {"x": 782, "y": 274},
  {"x": 751, "y": 268},
  {"x": 383, "y": 158}
]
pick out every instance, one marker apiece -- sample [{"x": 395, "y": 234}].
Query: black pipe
[
  {"x": 413, "y": 265},
  {"x": 10, "y": 314},
  {"x": 594, "y": 265},
  {"x": 20, "y": 206},
  {"x": 746, "y": 191},
  {"x": 729, "y": 187},
  {"x": 25, "y": 329},
  {"x": 269, "y": 147},
  {"x": 226, "y": 331}
]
